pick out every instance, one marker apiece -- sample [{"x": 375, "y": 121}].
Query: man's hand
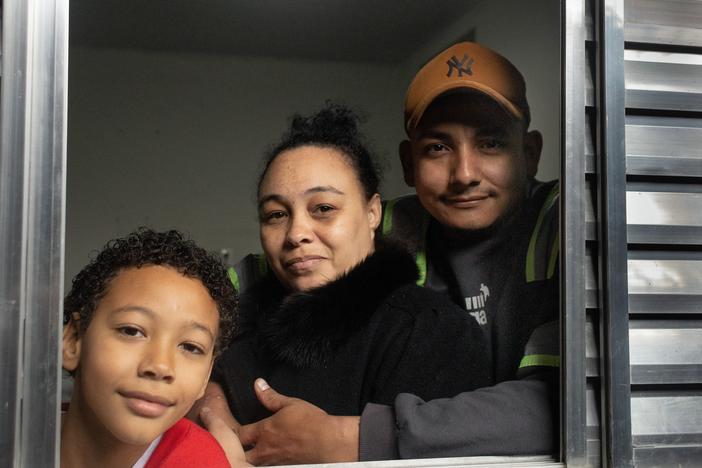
[{"x": 298, "y": 432}]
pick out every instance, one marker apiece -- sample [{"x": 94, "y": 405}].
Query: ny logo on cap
[{"x": 462, "y": 66}]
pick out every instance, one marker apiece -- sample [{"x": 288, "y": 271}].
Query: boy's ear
[
  {"x": 405, "y": 150},
  {"x": 71, "y": 345}
]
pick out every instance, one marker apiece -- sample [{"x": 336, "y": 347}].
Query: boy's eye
[
  {"x": 130, "y": 331},
  {"x": 192, "y": 348}
]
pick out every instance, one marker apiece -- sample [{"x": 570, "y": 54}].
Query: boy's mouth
[{"x": 146, "y": 404}]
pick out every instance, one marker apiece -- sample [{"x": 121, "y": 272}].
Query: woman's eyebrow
[
  {"x": 270, "y": 197},
  {"x": 323, "y": 188}
]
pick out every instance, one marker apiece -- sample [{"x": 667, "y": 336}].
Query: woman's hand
[{"x": 298, "y": 432}]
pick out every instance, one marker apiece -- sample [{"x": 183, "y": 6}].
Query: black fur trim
[{"x": 307, "y": 326}]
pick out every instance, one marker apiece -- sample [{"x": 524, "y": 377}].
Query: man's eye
[
  {"x": 436, "y": 148},
  {"x": 192, "y": 348},
  {"x": 492, "y": 144},
  {"x": 130, "y": 331}
]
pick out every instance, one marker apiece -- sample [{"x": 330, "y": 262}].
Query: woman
[{"x": 338, "y": 322}]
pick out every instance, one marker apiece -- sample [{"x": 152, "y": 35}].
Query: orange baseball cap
[{"x": 466, "y": 65}]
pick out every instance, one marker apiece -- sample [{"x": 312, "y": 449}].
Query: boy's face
[
  {"x": 146, "y": 355},
  {"x": 469, "y": 161}
]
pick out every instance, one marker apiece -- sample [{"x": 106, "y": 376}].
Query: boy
[{"x": 144, "y": 321}]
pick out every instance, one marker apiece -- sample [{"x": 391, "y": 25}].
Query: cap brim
[{"x": 430, "y": 96}]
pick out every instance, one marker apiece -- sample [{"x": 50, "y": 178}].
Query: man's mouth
[
  {"x": 465, "y": 201},
  {"x": 146, "y": 404}
]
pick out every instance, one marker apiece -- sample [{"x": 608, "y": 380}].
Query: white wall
[{"x": 174, "y": 140}]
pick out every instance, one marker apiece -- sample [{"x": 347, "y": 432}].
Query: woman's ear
[
  {"x": 375, "y": 212},
  {"x": 71, "y": 344}
]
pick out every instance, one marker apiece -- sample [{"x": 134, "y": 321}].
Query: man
[{"x": 485, "y": 233}]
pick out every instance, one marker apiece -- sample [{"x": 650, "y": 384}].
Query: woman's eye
[
  {"x": 324, "y": 209},
  {"x": 130, "y": 331},
  {"x": 192, "y": 348},
  {"x": 274, "y": 216}
]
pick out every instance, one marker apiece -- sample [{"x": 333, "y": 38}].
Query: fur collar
[{"x": 304, "y": 328}]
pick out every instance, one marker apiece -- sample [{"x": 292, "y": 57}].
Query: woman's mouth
[{"x": 303, "y": 264}]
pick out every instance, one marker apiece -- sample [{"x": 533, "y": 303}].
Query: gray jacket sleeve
[{"x": 510, "y": 418}]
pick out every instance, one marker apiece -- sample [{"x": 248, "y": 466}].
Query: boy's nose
[{"x": 157, "y": 363}]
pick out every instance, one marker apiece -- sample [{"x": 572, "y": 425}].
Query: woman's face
[{"x": 315, "y": 221}]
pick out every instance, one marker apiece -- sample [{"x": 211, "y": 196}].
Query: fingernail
[
  {"x": 205, "y": 410},
  {"x": 262, "y": 385}
]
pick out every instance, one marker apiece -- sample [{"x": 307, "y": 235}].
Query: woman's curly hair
[
  {"x": 334, "y": 126},
  {"x": 145, "y": 247}
]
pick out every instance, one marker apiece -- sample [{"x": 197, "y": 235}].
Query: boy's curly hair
[{"x": 147, "y": 247}]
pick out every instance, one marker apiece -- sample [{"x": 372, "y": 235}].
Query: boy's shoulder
[{"x": 186, "y": 444}]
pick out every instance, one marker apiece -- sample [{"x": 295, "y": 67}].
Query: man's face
[{"x": 469, "y": 161}]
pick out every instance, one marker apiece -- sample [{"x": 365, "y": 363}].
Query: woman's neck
[{"x": 86, "y": 443}]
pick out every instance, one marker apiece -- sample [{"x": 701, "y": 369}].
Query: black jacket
[{"x": 365, "y": 337}]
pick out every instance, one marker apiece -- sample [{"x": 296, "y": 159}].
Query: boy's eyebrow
[{"x": 150, "y": 313}]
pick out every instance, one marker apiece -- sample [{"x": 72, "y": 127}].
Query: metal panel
[
  {"x": 665, "y": 146},
  {"x": 676, "y": 22},
  {"x": 573, "y": 372},
  {"x": 664, "y": 217},
  {"x": 612, "y": 246},
  {"x": 661, "y": 355},
  {"x": 658, "y": 146},
  {"x": 33, "y": 152},
  {"x": 662, "y": 80},
  {"x": 666, "y": 418}
]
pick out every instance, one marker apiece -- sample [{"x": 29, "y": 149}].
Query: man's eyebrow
[{"x": 431, "y": 133}]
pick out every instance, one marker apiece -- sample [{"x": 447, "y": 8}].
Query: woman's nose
[
  {"x": 300, "y": 230},
  {"x": 158, "y": 363}
]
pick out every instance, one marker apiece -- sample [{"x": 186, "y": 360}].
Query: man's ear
[
  {"x": 71, "y": 345},
  {"x": 405, "y": 150},
  {"x": 533, "y": 142}
]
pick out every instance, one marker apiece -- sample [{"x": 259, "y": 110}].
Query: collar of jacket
[{"x": 306, "y": 327}]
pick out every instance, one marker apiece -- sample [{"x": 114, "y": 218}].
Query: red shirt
[{"x": 187, "y": 445}]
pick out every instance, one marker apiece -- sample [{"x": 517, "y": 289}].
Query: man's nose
[
  {"x": 158, "y": 362},
  {"x": 466, "y": 167}
]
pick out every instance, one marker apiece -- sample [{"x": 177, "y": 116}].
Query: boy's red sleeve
[{"x": 186, "y": 445}]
